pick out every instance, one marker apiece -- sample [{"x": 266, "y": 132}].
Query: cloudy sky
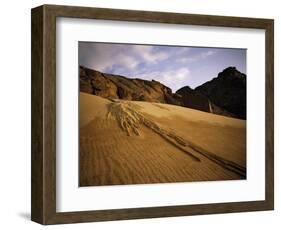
[{"x": 173, "y": 66}]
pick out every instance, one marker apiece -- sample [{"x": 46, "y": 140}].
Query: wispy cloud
[
  {"x": 200, "y": 56},
  {"x": 149, "y": 53},
  {"x": 173, "y": 66},
  {"x": 175, "y": 78},
  {"x": 105, "y": 57}
]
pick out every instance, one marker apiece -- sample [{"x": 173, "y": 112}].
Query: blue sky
[{"x": 173, "y": 66}]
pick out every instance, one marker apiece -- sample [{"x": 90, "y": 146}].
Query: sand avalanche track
[{"x": 127, "y": 142}]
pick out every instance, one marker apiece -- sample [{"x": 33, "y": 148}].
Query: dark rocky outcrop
[
  {"x": 228, "y": 91},
  {"x": 195, "y": 100}
]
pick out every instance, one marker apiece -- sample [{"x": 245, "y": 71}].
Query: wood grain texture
[
  {"x": 44, "y": 114},
  {"x": 269, "y": 116},
  {"x": 37, "y": 116}
]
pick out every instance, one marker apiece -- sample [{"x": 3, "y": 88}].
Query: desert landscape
[{"x": 135, "y": 131}]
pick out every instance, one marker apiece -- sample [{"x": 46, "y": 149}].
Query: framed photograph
[{"x": 140, "y": 114}]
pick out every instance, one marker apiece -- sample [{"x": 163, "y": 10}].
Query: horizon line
[{"x": 83, "y": 66}]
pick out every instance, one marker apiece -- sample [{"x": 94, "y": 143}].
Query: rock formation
[{"x": 223, "y": 95}]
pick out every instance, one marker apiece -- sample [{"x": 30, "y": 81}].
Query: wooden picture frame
[{"x": 43, "y": 208}]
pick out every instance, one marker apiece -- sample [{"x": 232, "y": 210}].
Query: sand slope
[{"x": 129, "y": 142}]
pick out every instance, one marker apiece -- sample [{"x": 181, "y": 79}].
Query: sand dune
[{"x": 130, "y": 142}]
